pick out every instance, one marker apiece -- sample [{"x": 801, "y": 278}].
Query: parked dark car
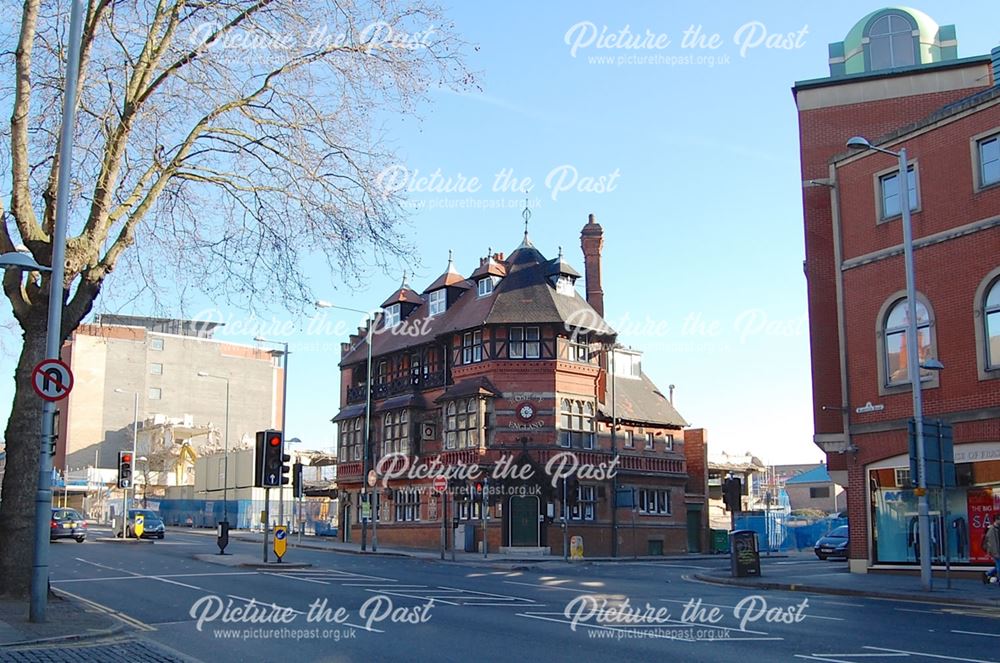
[
  {"x": 67, "y": 524},
  {"x": 833, "y": 544},
  {"x": 152, "y": 524}
]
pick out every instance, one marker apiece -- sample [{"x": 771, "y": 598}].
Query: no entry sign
[
  {"x": 52, "y": 379},
  {"x": 440, "y": 484}
]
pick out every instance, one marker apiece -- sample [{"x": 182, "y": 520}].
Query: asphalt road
[{"x": 365, "y": 608}]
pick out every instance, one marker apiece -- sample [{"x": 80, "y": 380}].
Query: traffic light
[
  {"x": 477, "y": 491},
  {"x": 572, "y": 490},
  {"x": 298, "y": 490},
  {"x": 270, "y": 459},
  {"x": 285, "y": 459},
  {"x": 124, "y": 469},
  {"x": 732, "y": 491}
]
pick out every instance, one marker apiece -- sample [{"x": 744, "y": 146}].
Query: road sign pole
[
  {"x": 267, "y": 516},
  {"x": 39, "y": 583}
]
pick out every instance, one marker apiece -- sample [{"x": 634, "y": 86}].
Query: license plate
[{"x": 67, "y": 525}]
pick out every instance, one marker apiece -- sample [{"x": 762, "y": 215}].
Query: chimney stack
[
  {"x": 592, "y": 241},
  {"x": 995, "y": 53}
]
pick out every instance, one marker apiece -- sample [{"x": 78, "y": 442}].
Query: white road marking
[
  {"x": 923, "y": 612},
  {"x": 537, "y": 586},
  {"x": 988, "y": 635},
  {"x": 542, "y": 616},
  {"x": 285, "y": 575},
  {"x": 928, "y": 655},
  {"x": 411, "y": 596},
  {"x": 120, "y": 616},
  {"x": 733, "y": 607},
  {"x": 144, "y": 577},
  {"x": 501, "y": 596}
]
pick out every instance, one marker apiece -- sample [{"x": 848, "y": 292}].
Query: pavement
[
  {"x": 493, "y": 559},
  {"x": 965, "y": 588}
]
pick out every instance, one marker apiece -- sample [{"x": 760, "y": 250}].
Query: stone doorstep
[{"x": 532, "y": 551}]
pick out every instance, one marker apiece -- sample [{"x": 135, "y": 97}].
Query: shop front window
[{"x": 958, "y": 518}]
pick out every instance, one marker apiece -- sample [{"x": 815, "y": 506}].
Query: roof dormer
[
  {"x": 562, "y": 275},
  {"x": 491, "y": 270},
  {"x": 445, "y": 289},
  {"x": 400, "y": 304}
]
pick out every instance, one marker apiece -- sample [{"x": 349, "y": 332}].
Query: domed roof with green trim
[{"x": 931, "y": 42}]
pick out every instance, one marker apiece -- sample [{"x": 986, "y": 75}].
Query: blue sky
[{"x": 701, "y": 203}]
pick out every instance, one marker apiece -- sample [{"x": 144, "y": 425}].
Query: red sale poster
[{"x": 984, "y": 506}]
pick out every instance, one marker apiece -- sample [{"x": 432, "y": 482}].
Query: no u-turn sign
[{"x": 52, "y": 380}]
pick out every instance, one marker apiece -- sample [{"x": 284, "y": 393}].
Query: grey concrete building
[{"x": 120, "y": 358}]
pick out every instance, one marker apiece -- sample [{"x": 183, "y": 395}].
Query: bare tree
[{"x": 218, "y": 145}]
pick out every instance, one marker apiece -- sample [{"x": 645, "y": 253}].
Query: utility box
[
  {"x": 719, "y": 541},
  {"x": 744, "y": 553}
]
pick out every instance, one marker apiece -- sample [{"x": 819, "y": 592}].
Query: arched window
[
  {"x": 891, "y": 43},
  {"x": 894, "y": 338},
  {"x": 991, "y": 322}
]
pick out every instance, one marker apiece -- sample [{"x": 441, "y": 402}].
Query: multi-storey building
[
  {"x": 510, "y": 367},
  {"x": 897, "y": 80},
  {"x": 145, "y": 372}
]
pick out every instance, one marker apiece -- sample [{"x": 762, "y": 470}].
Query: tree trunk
[{"x": 23, "y": 440}]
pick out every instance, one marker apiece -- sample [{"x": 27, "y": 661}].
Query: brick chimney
[{"x": 592, "y": 241}]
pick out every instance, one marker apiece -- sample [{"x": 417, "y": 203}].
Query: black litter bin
[{"x": 744, "y": 553}]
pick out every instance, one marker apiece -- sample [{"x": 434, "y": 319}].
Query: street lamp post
[
  {"x": 912, "y": 355},
  {"x": 145, "y": 480},
  {"x": 225, "y": 463},
  {"x": 284, "y": 412},
  {"x": 39, "y": 583},
  {"x": 370, "y": 322}
]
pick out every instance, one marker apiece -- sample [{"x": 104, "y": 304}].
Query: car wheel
[
  {"x": 821, "y": 556},
  {"x": 81, "y": 539},
  {"x": 161, "y": 537}
]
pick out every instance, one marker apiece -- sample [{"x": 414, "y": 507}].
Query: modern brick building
[
  {"x": 897, "y": 80},
  {"x": 511, "y": 365}
]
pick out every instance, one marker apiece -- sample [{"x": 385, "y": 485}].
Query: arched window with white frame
[{"x": 895, "y": 351}]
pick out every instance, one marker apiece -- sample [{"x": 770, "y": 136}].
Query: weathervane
[{"x": 526, "y": 214}]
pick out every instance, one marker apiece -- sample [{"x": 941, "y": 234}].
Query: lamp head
[
  {"x": 320, "y": 303},
  {"x": 203, "y": 374},
  {"x": 859, "y": 143},
  {"x": 932, "y": 365}
]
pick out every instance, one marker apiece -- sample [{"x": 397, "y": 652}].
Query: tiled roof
[
  {"x": 350, "y": 412},
  {"x": 526, "y": 295},
  {"x": 640, "y": 401},
  {"x": 471, "y": 387},
  {"x": 404, "y": 294}
]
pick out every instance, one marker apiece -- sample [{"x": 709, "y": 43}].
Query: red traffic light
[
  {"x": 126, "y": 458},
  {"x": 274, "y": 441}
]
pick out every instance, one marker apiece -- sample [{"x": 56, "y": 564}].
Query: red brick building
[
  {"x": 897, "y": 80},
  {"x": 509, "y": 367}
]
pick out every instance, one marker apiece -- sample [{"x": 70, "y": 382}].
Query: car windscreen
[
  {"x": 64, "y": 514},
  {"x": 839, "y": 533}
]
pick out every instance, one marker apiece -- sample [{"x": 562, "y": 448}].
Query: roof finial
[
  {"x": 560, "y": 254},
  {"x": 526, "y": 214},
  {"x": 404, "y": 284}
]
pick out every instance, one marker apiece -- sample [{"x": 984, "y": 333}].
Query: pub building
[{"x": 510, "y": 365}]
